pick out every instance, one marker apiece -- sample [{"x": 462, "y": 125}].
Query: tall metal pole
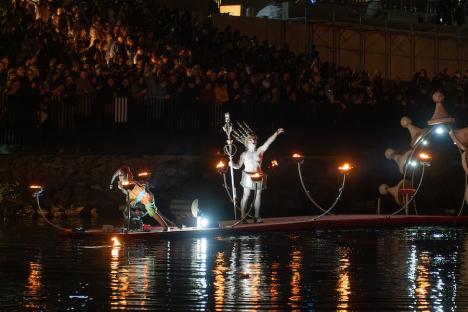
[
  {"x": 129, "y": 212},
  {"x": 229, "y": 151}
]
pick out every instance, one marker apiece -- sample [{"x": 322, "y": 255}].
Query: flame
[
  {"x": 274, "y": 163},
  {"x": 115, "y": 241},
  {"x": 424, "y": 156},
  {"x": 35, "y": 187},
  {"x": 220, "y": 165},
  {"x": 143, "y": 174},
  {"x": 296, "y": 155},
  {"x": 345, "y": 168},
  {"x": 125, "y": 182},
  {"x": 256, "y": 176}
]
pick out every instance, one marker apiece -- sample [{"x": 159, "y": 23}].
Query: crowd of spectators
[
  {"x": 137, "y": 49},
  {"x": 451, "y": 12}
]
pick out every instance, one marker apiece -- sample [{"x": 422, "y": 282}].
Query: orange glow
[
  {"x": 119, "y": 282},
  {"x": 274, "y": 282},
  {"x": 423, "y": 285},
  {"x": 298, "y": 158},
  {"x": 125, "y": 183},
  {"x": 274, "y": 164},
  {"x": 257, "y": 176},
  {"x": 343, "y": 286},
  {"x": 424, "y": 156},
  {"x": 345, "y": 168},
  {"x": 295, "y": 265},
  {"x": 219, "y": 281},
  {"x": 220, "y": 165},
  {"x": 35, "y": 187},
  {"x": 115, "y": 241},
  {"x": 233, "y": 10},
  {"x": 143, "y": 174},
  {"x": 34, "y": 285}
]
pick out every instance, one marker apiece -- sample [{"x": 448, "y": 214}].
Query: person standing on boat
[
  {"x": 252, "y": 159},
  {"x": 137, "y": 192}
]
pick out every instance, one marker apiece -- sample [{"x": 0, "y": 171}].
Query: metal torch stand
[{"x": 229, "y": 151}]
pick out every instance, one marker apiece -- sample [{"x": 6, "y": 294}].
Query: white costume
[{"x": 252, "y": 159}]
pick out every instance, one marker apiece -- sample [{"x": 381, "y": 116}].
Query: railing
[
  {"x": 62, "y": 118},
  {"x": 145, "y": 121},
  {"x": 22, "y": 122},
  {"x": 344, "y": 2},
  {"x": 400, "y": 5}
]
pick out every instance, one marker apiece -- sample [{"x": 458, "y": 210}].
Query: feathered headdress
[{"x": 243, "y": 132}]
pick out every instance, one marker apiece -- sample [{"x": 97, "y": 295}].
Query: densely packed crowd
[
  {"x": 451, "y": 12},
  {"x": 137, "y": 49}
]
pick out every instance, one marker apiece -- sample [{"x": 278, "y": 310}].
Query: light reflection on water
[
  {"x": 295, "y": 265},
  {"x": 343, "y": 286},
  {"x": 34, "y": 284},
  {"x": 423, "y": 269}
]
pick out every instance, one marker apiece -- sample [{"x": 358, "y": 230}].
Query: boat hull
[{"x": 301, "y": 223}]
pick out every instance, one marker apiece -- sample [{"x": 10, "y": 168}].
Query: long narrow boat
[{"x": 302, "y": 223}]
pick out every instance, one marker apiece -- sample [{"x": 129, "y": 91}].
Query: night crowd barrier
[{"x": 24, "y": 119}]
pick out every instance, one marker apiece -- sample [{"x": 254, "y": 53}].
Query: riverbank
[{"x": 79, "y": 184}]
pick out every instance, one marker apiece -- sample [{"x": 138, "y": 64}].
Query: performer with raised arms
[{"x": 252, "y": 159}]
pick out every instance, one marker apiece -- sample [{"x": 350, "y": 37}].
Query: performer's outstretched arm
[
  {"x": 270, "y": 140},
  {"x": 240, "y": 163}
]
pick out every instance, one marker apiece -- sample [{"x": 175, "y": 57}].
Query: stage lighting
[{"x": 440, "y": 130}]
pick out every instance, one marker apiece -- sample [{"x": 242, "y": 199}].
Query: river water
[{"x": 403, "y": 269}]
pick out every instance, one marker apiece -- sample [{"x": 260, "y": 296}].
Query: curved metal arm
[
  {"x": 414, "y": 195},
  {"x": 428, "y": 133},
  {"x": 414, "y": 200},
  {"x": 306, "y": 191},
  {"x": 466, "y": 182},
  {"x": 406, "y": 171},
  {"x": 340, "y": 192},
  {"x": 464, "y": 196},
  {"x": 37, "y": 195}
]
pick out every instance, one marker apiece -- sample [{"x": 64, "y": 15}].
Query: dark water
[{"x": 414, "y": 269}]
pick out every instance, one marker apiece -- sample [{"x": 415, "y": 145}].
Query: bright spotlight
[
  {"x": 202, "y": 222},
  {"x": 440, "y": 130},
  {"x": 413, "y": 163},
  {"x": 424, "y": 142}
]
